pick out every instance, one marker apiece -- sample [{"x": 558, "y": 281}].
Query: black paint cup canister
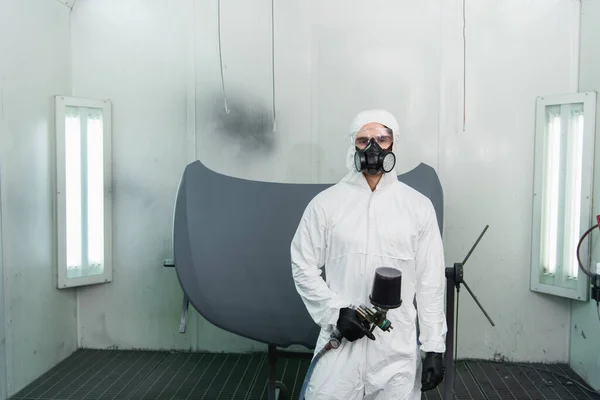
[{"x": 387, "y": 284}]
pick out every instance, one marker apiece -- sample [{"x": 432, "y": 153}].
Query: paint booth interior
[{"x": 156, "y": 158}]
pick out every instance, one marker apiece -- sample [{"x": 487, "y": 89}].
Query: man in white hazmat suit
[{"x": 369, "y": 220}]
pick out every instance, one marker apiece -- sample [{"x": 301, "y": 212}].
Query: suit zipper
[
  {"x": 365, "y": 265},
  {"x": 368, "y": 233}
]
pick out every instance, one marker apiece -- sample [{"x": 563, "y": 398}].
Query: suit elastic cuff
[
  {"x": 334, "y": 313},
  {"x": 433, "y": 347}
]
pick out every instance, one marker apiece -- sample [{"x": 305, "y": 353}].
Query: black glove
[
  {"x": 350, "y": 326},
  {"x": 433, "y": 371}
]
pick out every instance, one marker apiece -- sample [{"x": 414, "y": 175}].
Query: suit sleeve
[
  {"x": 308, "y": 257},
  {"x": 430, "y": 285}
]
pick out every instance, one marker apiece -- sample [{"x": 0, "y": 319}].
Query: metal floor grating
[{"x": 138, "y": 375}]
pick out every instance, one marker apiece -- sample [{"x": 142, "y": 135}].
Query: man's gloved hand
[
  {"x": 433, "y": 371},
  {"x": 350, "y": 326}
]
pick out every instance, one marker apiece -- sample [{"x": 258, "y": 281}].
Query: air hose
[
  {"x": 595, "y": 278},
  {"x": 334, "y": 342},
  {"x": 584, "y": 269}
]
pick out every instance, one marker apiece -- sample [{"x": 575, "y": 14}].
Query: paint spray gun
[{"x": 386, "y": 294}]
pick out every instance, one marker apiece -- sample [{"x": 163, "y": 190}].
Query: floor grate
[{"x": 140, "y": 375}]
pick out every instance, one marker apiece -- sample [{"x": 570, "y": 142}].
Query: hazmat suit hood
[{"x": 369, "y": 116}]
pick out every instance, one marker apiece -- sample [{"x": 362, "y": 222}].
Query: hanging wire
[
  {"x": 273, "y": 61},
  {"x": 584, "y": 269},
  {"x": 464, "y": 65},
  {"x": 221, "y": 57}
]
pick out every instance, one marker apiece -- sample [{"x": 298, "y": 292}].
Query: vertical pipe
[{"x": 272, "y": 355}]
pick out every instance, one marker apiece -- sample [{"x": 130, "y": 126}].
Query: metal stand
[
  {"x": 454, "y": 278},
  {"x": 273, "y": 384},
  {"x": 184, "y": 311},
  {"x": 170, "y": 263},
  {"x": 449, "y": 356}
]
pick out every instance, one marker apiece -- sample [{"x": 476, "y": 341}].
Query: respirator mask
[{"x": 373, "y": 151}]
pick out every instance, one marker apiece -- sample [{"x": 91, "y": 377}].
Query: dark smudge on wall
[{"x": 247, "y": 121}]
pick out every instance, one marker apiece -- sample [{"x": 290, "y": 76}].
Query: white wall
[
  {"x": 34, "y": 66},
  {"x": 515, "y": 51},
  {"x": 328, "y": 66},
  {"x": 141, "y": 55},
  {"x": 585, "y": 322},
  {"x": 137, "y": 53}
]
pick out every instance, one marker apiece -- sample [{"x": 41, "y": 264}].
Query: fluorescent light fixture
[
  {"x": 564, "y": 158},
  {"x": 83, "y": 191}
]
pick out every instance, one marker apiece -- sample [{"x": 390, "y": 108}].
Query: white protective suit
[{"x": 352, "y": 230}]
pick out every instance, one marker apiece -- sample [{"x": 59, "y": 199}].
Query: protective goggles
[{"x": 383, "y": 137}]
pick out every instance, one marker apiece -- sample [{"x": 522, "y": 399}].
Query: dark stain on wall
[{"x": 246, "y": 120}]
